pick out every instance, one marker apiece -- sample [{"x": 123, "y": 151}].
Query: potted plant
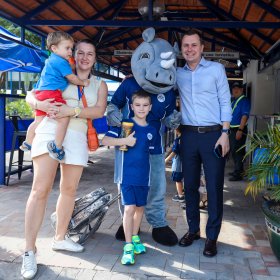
[{"x": 264, "y": 174}]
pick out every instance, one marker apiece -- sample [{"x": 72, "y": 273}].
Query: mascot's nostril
[
  {"x": 170, "y": 78},
  {"x": 156, "y": 74}
]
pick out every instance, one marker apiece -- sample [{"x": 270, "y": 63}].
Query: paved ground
[{"x": 243, "y": 248}]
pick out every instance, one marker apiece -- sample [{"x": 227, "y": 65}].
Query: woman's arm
[
  {"x": 98, "y": 110},
  {"x": 92, "y": 112},
  {"x": 35, "y": 104}
]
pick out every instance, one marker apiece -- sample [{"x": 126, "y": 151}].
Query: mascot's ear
[
  {"x": 149, "y": 34},
  {"x": 176, "y": 48}
]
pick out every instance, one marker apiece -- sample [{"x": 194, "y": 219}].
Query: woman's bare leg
[
  {"x": 44, "y": 174},
  {"x": 70, "y": 178}
]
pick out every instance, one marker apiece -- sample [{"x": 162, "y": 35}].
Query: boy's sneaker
[
  {"x": 67, "y": 245},
  {"x": 29, "y": 265},
  {"x": 25, "y": 146},
  {"x": 55, "y": 152},
  {"x": 128, "y": 254},
  {"x": 178, "y": 198},
  {"x": 139, "y": 248}
]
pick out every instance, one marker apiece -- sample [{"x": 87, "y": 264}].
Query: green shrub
[{"x": 19, "y": 107}]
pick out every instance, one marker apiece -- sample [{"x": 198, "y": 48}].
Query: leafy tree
[{"x": 15, "y": 29}]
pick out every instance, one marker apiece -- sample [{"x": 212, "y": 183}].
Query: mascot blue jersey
[{"x": 163, "y": 105}]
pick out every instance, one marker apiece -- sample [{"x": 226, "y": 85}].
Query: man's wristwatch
[
  {"x": 226, "y": 130},
  {"x": 240, "y": 129},
  {"x": 77, "y": 111}
]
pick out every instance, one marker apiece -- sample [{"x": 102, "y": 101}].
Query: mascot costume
[{"x": 153, "y": 68}]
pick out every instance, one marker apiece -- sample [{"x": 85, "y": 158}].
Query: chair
[{"x": 20, "y": 136}]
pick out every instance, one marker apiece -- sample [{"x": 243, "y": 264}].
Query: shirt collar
[{"x": 202, "y": 62}]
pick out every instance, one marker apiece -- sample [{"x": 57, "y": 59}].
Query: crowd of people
[{"x": 59, "y": 136}]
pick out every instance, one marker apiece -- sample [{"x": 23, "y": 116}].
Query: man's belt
[{"x": 202, "y": 129}]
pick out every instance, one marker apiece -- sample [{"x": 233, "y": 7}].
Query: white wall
[
  {"x": 265, "y": 93},
  {"x": 263, "y": 89}
]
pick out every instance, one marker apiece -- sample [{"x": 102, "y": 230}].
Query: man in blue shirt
[
  {"x": 238, "y": 126},
  {"x": 206, "y": 116}
]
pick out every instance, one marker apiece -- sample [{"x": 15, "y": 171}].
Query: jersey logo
[
  {"x": 150, "y": 136},
  {"x": 161, "y": 97}
]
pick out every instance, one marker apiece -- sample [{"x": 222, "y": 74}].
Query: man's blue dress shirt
[{"x": 204, "y": 94}]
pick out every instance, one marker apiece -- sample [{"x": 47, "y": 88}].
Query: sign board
[
  {"x": 123, "y": 52},
  {"x": 209, "y": 55},
  {"x": 224, "y": 55}
]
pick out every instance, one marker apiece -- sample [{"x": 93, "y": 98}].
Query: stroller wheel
[{"x": 91, "y": 228}]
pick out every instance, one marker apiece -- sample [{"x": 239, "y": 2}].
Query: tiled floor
[{"x": 243, "y": 249}]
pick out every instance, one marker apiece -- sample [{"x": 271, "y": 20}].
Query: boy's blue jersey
[
  {"x": 162, "y": 106},
  {"x": 53, "y": 74},
  {"x": 132, "y": 167}
]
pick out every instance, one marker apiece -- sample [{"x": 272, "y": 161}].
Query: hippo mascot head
[{"x": 153, "y": 64}]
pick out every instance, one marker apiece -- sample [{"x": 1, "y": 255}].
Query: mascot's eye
[{"x": 144, "y": 55}]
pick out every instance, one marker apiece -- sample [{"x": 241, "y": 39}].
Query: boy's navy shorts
[
  {"x": 134, "y": 195},
  {"x": 177, "y": 176}
]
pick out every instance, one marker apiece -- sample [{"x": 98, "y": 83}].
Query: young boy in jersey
[
  {"x": 56, "y": 75},
  {"x": 177, "y": 174},
  {"x": 134, "y": 171}
]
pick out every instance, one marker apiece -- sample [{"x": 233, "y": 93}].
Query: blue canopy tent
[{"x": 16, "y": 57}]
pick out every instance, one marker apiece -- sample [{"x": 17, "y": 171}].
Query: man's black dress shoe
[
  {"x": 188, "y": 239},
  {"x": 210, "y": 249}
]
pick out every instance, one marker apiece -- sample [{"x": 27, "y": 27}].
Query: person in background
[
  {"x": 206, "y": 116},
  {"x": 134, "y": 171},
  {"x": 177, "y": 174},
  {"x": 76, "y": 157},
  {"x": 238, "y": 126},
  {"x": 56, "y": 75}
]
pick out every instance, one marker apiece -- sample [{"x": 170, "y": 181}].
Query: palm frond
[{"x": 265, "y": 147}]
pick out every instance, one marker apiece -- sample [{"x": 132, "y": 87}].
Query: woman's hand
[
  {"x": 60, "y": 110},
  {"x": 45, "y": 105}
]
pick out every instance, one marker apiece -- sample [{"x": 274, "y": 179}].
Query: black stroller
[{"x": 88, "y": 214}]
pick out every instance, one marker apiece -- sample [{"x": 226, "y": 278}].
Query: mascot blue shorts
[{"x": 153, "y": 68}]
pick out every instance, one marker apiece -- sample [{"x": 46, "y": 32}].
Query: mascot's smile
[{"x": 160, "y": 85}]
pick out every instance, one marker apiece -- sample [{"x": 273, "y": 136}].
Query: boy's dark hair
[
  {"x": 193, "y": 31},
  {"x": 56, "y": 37},
  {"x": 141, "y": 94}
]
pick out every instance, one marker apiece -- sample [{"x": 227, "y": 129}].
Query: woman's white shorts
[{"x": 74, "y": 144}]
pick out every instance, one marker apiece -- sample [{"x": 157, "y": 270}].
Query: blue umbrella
[{"x": 16, "y": 57}]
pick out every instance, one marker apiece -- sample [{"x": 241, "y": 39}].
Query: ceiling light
[{"x": 158, "y": 8}]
